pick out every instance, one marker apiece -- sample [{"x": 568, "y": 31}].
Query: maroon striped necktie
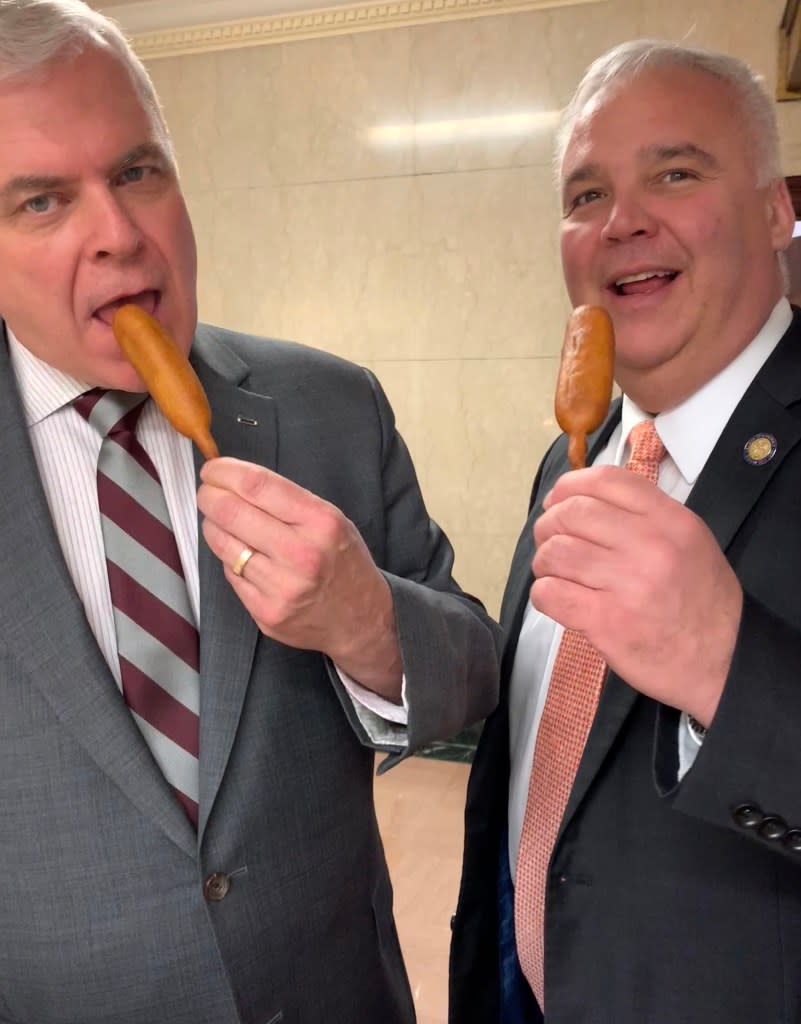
[{"x": 157, "y": 637}]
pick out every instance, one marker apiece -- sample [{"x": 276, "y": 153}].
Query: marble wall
[{"x": 434, "y": 264}]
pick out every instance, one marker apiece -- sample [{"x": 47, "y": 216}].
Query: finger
[
  {"x": 282, "y": 545},
  {"x": 576, "y": 560},
  {"x": 240, "y": 523},
  {"x": 613, "y": 485},
  {"x": 568, "y": 603},
  {"x": 272, "y": 592},
  {"x": 587, "y": 518},
  {"x": 262, "y": 488}
]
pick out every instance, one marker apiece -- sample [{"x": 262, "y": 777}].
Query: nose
[
  {"x": 114, "y": 233},
  {"x": 628, "y": 218}
]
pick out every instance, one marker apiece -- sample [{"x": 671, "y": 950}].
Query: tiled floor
[{"x": 420, "y": 810}]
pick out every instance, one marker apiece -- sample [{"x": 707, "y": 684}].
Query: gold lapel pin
[{"x": 759, "y": 449}]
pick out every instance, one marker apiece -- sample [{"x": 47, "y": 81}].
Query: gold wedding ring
[{"x": 239, "y": 565}]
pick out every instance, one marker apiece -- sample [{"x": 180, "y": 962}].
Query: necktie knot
[
  {"x": 111, "y": 413},
  {"x": 647, "y": 451}
]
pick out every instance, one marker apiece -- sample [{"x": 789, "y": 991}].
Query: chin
[{"x": 122, "y": 378}]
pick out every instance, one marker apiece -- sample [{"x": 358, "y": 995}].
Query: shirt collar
[
  {"x": 691, "y": 430},
  {"x": 43, "y": 389}
]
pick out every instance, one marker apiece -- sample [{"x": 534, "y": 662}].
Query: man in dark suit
[
  {"x": 187, "y": 832},
  {"x": 669, "y": 889}
]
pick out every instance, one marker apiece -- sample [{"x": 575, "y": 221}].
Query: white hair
[
  {"x": 625, "y": 61},
  {"x": 35, "y": 33}
]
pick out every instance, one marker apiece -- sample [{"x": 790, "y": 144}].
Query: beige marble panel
[
  {"x": 331, "y": 265},
  {"x": 527, "y": 61},
  {"x": 476, "y": 431},
  {"x": 489, "y": 67},
  {"x": 331, "y": 92},
  {"x": 490, "y": 278},
  {"x": 288, "y": 114},
  {"x": 432, "y": 267},
  {"x": 223, "y": 114}
]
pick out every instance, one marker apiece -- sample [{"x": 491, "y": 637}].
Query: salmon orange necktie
[{"x": 570, "y": 706}]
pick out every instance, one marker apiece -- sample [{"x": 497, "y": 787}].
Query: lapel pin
[
  {"x": 246, "y": 421},
  {"x": 759, "y": 449}
]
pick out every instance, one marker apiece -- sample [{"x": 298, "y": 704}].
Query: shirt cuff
[
  {"x": 690, "y": 742},
  {"x": 383, "y": 721}
]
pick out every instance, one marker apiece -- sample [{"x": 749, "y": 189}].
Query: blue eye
[
  {"x": 131, "y": 175},
  {"x": 39, "y": 204}
]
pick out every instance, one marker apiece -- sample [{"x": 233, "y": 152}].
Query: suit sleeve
[
  {"x": 745, "y": 777},
  {"x": 450, "y": 647}
]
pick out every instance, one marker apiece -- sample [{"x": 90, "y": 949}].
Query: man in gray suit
[{"x": 329, "y": 623}]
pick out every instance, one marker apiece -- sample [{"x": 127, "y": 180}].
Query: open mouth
[
  {"x": 146, "y": 300},
  {"x": 645, "y": 283}
]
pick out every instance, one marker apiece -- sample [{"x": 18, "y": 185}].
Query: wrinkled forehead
[
  {"x": 94, "y": 80},
  {"x": 652, "y": 107}
]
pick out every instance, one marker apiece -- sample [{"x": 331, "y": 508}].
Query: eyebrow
[
  {"x": 677, "y": 151},
  {"x": 587, "y": 172},
  {"x": 35, "y": 183},
  {"x": 26, "y": 183},
  {"x": 146, "y": 151}
]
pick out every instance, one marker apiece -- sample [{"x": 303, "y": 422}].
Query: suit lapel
[
  {"x": 245, "y": 427},
  {"x": 726, "y": 491},
  {"x": 51, "y": 639},
  {"x": 730, "y": 484}
]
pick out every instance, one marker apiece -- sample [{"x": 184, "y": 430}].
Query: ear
[{"x": 781, "y": 217}]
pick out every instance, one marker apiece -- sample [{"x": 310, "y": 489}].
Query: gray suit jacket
[{"x": 103, "y": 915}]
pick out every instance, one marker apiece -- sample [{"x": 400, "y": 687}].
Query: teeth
[{"x": 631, "y": 278}]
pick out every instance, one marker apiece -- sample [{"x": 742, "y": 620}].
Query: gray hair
[
  {"x": 628, "y": 59},
  {"x": 34, "y": 33}
]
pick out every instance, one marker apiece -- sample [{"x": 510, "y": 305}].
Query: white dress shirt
[
  {"x": 689, "y": 433},
  {"x": 66, "y": 448}
]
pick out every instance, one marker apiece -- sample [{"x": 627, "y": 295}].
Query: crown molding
[{"x": 291, "y": 26}]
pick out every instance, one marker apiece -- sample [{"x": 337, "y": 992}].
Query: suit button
[
  {"x": 792, "y": 840},
  {"x": 773, "y": 827},
  {"x": 748, "y": 815},
  {"x": 216, "y": 887}
]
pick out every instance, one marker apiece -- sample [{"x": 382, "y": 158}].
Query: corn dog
[
  {"x": 167, "y": 374},
  {"x": 584, "y": 387}
]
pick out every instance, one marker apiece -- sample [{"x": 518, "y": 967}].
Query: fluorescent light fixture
[
  {"x": 797, "y": 229},
  {"x": 466, "y": 129}
]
